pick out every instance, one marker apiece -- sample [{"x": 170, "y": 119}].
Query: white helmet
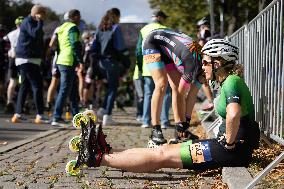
[
  {"x": 66, "y": 16},
  {"x": 203, "y": 21},
  {"x": 221, "y": 48},
  {"x": 86, "y": 34}
]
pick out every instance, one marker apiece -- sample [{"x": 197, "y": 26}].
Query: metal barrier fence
[{"x": 260, "y": 45}]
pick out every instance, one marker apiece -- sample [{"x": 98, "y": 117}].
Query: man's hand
[
  {"x": 40, "y": 17},
  {"x": 81, "y": 68}
]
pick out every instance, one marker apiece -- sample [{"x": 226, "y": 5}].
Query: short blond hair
[{"x": 37, "y": 8}]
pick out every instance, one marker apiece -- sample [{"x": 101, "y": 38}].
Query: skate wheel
[
  {"x": 78, "y": 118},
  {"x": 91, "y": 115},
  {"x": 74, "y": 143},
  {"x": 69, "y": 169}
]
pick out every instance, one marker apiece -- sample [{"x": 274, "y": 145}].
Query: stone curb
[
  {"x": 236, "y": 177},
  {"x": 14, "y": 145}
]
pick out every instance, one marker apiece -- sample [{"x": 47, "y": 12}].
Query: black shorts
[
  {"x": 210, "y": 154},
  {"x": 3, "y": 71},
  {"x": 13, "y": 71}
]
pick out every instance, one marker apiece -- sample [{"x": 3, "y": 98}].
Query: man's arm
[
  {"x": 139, "y": 55},
  {"x": 118, "y": 39},
  {"x": 233, "y": 117},
  {"x": 75, "y": 44},
  {"x": 33, "y": 31}
]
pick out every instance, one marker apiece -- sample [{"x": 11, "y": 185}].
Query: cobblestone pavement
[{"x": 41, "y": 163}]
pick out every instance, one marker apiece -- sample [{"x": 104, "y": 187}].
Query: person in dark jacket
[
  {"x": 29, "y": 51},
  {"x": 110, "y": 49}
]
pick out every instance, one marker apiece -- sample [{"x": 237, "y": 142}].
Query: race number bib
[
  {"x": 200, "y": 152},
  {"x": 150, "y": 58}
]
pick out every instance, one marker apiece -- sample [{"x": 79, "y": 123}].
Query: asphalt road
[{"x": 12, "y": 134}]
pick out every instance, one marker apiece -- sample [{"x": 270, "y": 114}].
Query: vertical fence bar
[
  {"x": 276, "y": 81},
  {"x": 282, "y": 76},
  {"x": 272, "y": 89},
  {"x": 281, "y": 93}
]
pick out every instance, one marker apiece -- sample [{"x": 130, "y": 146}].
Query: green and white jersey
[{"x": 234, "y": 89}]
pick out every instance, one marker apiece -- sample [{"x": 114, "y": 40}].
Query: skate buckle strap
[
  {"x": 99, "y": 158},
  {"x": 105, "y": 147},
  {"x": 95, "y": 159}
]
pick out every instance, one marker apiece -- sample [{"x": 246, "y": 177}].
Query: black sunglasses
[{"x": 206, "y": 63}]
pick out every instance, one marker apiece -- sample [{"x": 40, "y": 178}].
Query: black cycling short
[
  {"x": 3, "y": 70},
  {"x": 211, "y": 154},
  {"x": 13, "y": 71}
]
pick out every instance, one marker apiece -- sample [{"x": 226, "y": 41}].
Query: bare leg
[
  {"x": 160, "y": 79},
  {"x": 191, "y": 98},
  {"x": 11, "y": 89},
  {"x": 51, "y": 89},
  {"x": 80, "y": 85},
  {"x": 144, "y": 160},
  {"x": 178, "y": 99}
]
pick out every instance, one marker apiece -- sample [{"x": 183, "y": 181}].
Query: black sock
[{"x": 157, "y": 127}]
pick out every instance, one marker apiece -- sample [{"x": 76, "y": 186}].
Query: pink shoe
[{"x": 208, "y": 107}]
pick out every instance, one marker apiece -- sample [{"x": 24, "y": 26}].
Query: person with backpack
[{"x": 110, "y": 50}]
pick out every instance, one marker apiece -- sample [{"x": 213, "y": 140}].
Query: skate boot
[
  {"x": 91, "y": 144},
  {"x": 86, "y": 145},
  {"x": 182, "y": 128},
  {"x": 156, "y": 138}
]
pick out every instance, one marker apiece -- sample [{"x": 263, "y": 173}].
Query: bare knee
[
  {"x": 161, "y": 86},
  {"x": 161, "y": 155}
]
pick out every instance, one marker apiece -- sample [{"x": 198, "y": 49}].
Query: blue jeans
[
  {"x": 68, "y": 87},
  {"x": 149, "y": 87},
  {"x": 109, "y": 69},
  {"x": 138, "y": 83},
  {"x": 30, "y": 76}
]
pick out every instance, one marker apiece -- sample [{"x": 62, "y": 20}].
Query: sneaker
[
  {"x": 157, "y": 136},
  {"x": 107, "y": 120},
  {"x": 101, "y": 112},
  {"x": 190, "y": 136},
  {"x": 60, "y": 122},
  {"x": 139, "y": 119},
  {"x": 17, "y": 118},
  {"x": 9, "y": 109},
  {"x": 208, "y": 107},
  {"x": 145, "y": 125},
  {"x": 40, "y": 119},
  {"x": 165, "y": 126}
]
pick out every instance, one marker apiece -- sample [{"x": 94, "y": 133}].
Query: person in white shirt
[{"x": 12, "y": 37}]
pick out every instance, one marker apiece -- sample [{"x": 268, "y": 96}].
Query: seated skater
[{"x": 238, "y": 135}]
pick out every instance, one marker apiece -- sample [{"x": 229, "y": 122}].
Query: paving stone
[{"x": 41, "y": 163}]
